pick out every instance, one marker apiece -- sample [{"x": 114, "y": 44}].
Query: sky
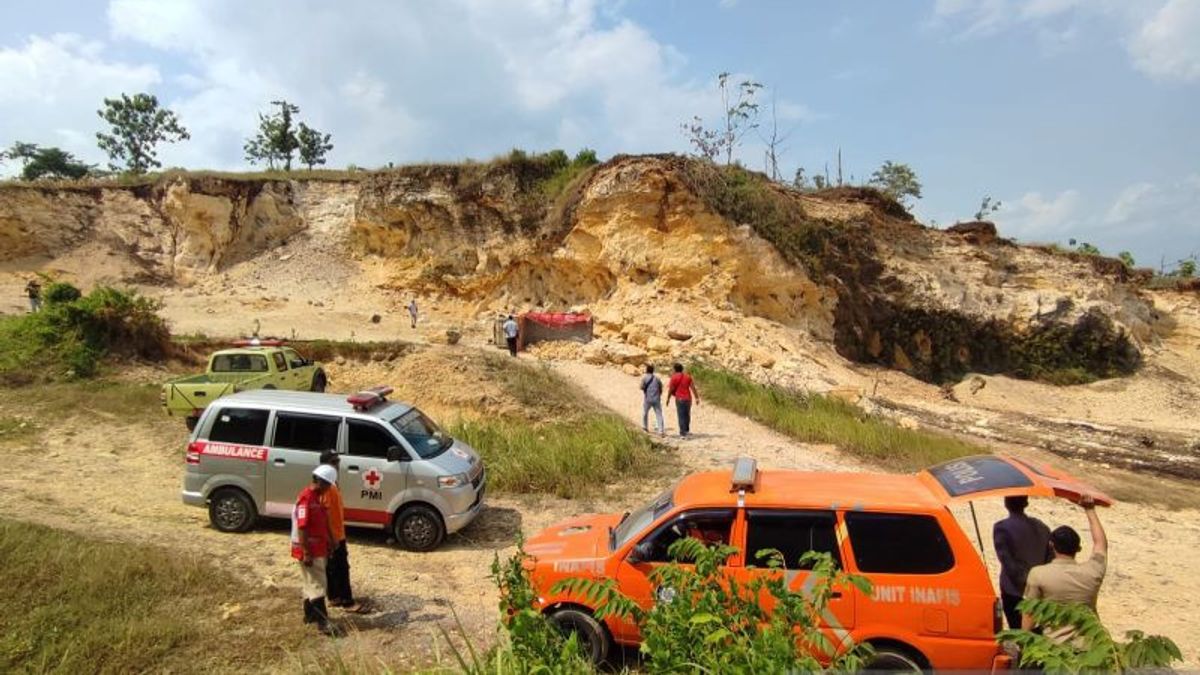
[{"x": 1081, "y": 116}]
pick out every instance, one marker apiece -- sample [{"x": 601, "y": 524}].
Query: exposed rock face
[
  {"x": 669, "y": 267},
  {"x": 175, "y": 229}
]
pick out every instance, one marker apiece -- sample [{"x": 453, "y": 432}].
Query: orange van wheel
[
  {"x": 592, "y": 635},
  {"x": 891, "y": 658}
]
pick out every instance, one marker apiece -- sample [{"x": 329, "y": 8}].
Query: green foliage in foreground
[
  {"x": 813, "y": 418},
  {"x": 567, "y": 459},
  {"x": 705, "y": 621},
  {"x": 1092, "y": 649},
  {"x": 72, "y": 333},
  {"x": 73, "y": 605}
]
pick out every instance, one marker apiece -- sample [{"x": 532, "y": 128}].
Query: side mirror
[
  {"x": 641, "y": 552},
  {"x": 298, "y": 363},
  {"x": 397, "y": 454}
]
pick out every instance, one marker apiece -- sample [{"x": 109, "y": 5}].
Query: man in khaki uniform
[{"x": 1065, "y": 580}]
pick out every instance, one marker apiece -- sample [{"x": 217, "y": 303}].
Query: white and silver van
[{"x": 252, "y": 452}]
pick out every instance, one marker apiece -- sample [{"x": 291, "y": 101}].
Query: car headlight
[{"x": 454, "y": 481}]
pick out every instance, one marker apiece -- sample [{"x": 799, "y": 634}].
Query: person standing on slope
[
  {"x": 510, "y": 334},
  {"x": 683, "y": 389},
  {"x": 1021, "y": 543},
  {"x": 652, "y": 389},
  {"x": 311, "y": 541},
  {"x": 33, "y": 289},
  {"x": 412, "y": 311},
  {"x": 337, "y": 571},
  {"x": 1065, "y": 580}
]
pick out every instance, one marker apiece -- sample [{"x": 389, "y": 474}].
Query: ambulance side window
[
  {"x": 306, "y": 432},
  {"x": 898, "y": 543},
  {"x": 280, "y": 362},
  {"x": 369, "y": 440},
  {"x": 711, "y": 526},
  {"x": 792, "y": 534},
  {"x": 244, "y": 426}
]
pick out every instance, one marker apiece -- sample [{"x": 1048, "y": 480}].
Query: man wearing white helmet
[{"x": 312, "y": 538}]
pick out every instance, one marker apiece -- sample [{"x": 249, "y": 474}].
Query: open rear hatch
[{"x": 987, "y": 476}]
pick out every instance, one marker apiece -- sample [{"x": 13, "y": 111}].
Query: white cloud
[
  {"x": 1129, "y": 201},
  {"x": 1167, "y": 210},
  {"x": 50, "y": 88},
  {"x": 411, "y": 81},
  {"x": 1033, "y": 217},
  {"x": 1167, "y": 46},
  {"x": 1145, "y": 218},
  {"x": 1160, "y": 35}
]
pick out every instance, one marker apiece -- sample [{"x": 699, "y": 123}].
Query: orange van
[{"x": 932, "y": 604}]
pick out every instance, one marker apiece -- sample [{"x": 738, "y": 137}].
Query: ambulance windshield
[{"x": 425, "y": 437}]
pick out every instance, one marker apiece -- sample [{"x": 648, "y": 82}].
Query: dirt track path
[{"x": 1153, "y": 577}]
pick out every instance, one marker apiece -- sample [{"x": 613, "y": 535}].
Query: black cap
[
  {"x": 1016, "y": 503},
  {"x": 1065, "y": 540}
]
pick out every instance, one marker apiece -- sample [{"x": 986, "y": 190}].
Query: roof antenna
[{"x": 257, "y": 325}]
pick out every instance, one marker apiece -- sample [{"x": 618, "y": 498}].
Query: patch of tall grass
[
  {"x": 76, "y": 605},
  {"x": 813, "y": 418},
  {"x": 563, "y": 458}
]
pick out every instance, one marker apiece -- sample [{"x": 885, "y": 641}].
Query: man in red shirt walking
[
  {"x": 312, "y": 541},
  {"x": 683, "y": 389}
]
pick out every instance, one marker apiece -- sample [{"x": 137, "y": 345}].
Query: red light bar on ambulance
[
  {"x": 258, "y": 342},
  {"x": 369, "y": 398}
]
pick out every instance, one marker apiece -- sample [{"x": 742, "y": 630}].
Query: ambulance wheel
[
  {"x": 319, "y": 382},
  {"x": 230, "y": 510},
  {"x": 892, "y": 659},
  {"x": 591, "y": 634},
  {"x": 419, "y": 528}
]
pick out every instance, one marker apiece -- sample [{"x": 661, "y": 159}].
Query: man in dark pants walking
[
  {"x": 510, "y": 334},
  {"x": 1021, "y": 544},
  {"x": 337, "y": 569},
  {"x": 683, "y": 389}
]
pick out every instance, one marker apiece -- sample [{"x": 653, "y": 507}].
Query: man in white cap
[{"x": 312, "y": 539}]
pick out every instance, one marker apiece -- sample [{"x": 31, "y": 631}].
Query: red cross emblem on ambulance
[{"x": 372, "y": 479}]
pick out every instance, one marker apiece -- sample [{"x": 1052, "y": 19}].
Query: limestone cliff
[{"x": 673, "y": 257}]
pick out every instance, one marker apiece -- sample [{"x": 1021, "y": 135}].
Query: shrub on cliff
[{"x": 73, "y": 333}]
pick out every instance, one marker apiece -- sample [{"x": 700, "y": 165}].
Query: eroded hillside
[
  {"x": 677, "y": 260},
  {"x": 658, "y": 247}
]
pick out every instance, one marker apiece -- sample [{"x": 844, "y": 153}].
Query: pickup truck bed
[{"x": 234, "y": 370}]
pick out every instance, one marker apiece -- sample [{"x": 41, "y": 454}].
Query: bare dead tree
[{"x": 774, "y": 143}]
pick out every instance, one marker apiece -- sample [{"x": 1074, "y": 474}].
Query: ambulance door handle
[
  {"x": 353, "y": 467},
  {"x": 835, "y": 594},
  {"x": 280, "y": 462}
]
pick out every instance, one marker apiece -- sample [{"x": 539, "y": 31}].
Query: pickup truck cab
[
  {"x": 932, "y": 605},
  {"x": 251, "y": 364}
]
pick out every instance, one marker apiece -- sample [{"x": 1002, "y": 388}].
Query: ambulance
[{"x": 252, "y": 452}]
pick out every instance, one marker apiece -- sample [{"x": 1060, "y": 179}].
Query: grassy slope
[
  {"x": 73, "y": 605},
  {"x": 819, "y": 419},
  {"x": 565, "y": 443}
]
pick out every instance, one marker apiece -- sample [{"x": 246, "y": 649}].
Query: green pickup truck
[{"x": 257, "y": 365}]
